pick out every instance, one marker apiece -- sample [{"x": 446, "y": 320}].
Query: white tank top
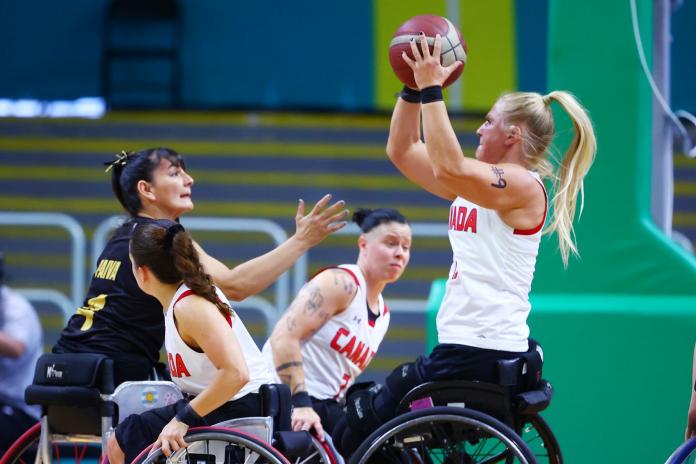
[
  {"x": 192, "y": 371},
  {"x": 486, "y": 300},
  {"x": 343, "y": 347}
]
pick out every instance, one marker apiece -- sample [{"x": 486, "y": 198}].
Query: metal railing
[
  {"x": 77, "y": 238},
  {"x": 47, "y": 295},
  {"x": 270, "y": 228}
]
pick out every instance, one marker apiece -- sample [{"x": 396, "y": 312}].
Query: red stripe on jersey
[
  {"x": 386, "y": 309},
  {"x": 183, "y": 295},
  {"x": 543, "y": 219},
  {"x": 371, "y": 322},
  {"x": 355, "y": 278},
  {"x": 188, "y": 292}
]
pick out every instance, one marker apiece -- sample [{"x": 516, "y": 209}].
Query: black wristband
[
  {"x": 301, "y": 400},
  {"x": 410, "y": 95},
  {"x": 189, "y": 417},
  {"x": 431, "y": 94}
]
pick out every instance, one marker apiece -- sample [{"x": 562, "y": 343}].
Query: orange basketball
[{"x": 453, "y": 46}]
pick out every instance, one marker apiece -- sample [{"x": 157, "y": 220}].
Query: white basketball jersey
[
  {"x": 192, "y": 371},
  {"x": 486, "y": 301},
  {"x": 336, "y": 355}
]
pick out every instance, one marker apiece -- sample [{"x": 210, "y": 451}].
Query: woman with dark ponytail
[
  {"x": 333, "y": 328},
  {"x": 117, "y": 318},
  {"x": 212, "y": 357}
]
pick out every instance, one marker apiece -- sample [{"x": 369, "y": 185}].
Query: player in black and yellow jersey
[{"x": 117, "y": 318}]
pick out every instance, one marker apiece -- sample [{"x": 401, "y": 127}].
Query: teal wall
[
  {"x": 273, "y": 54},
  {"x": 279, "y": 54}
]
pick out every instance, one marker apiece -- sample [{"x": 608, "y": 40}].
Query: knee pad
[
  {"x": 403, "y": 379},
  {"x": 360, "y": 410}
]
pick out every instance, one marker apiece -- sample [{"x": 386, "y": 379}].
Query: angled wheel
[
  {"x": 23, "y": 451},
  {"x": 685, "y": 453},
  {"x": 443, "y": 435},
  {"x": 210, "y": 445},
  {"x": 537, "y": 434}
]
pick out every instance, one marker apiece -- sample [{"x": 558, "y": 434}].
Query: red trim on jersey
[
  {"x": 386, "y": 310},
  {"x": 188, "y": 292},
  {"x": 543, "y": 219},
  {"x": 183, "y": 295},
  {"x": 371, "y": 322},
  {"x": 352, "y": 274}
]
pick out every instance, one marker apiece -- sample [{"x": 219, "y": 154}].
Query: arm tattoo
[
  {"x": 499, "y": 173},
  {"x": 348, "y": 285},
  {"x": 291, "y": 323},
  {"x": 287, "y": 365},
  {"x": 316, "y": 299}
]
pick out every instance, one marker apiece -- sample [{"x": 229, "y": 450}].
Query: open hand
[
  {"x": 426, "y": 67},
  {"x": 320, "y": 222}
]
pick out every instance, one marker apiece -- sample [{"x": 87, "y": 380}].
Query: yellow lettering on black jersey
[
  {"x": 107, "y": 269},
  {"x": 93, "y": 305}
]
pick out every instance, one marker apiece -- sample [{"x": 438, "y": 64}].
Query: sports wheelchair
[
  {"x": 80, "y": 409},
  {"x": 467, "y": 422},
  {"x": 685, "y": 453}
]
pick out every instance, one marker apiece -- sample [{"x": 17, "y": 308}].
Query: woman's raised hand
[{"x": 426, "y": 66}]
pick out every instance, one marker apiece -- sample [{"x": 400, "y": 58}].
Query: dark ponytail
[
  {"x": 131, "y": 167},
  {"x": 368, "y": 219},
  {"x": 167, "y": 249}
]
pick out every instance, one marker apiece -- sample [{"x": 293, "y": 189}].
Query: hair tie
[
  {"x": 121, "y": 160},
  {"x": 546, "y": 99},
  {"x": 171, "y": 232}
]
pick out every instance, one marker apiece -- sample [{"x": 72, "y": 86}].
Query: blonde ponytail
[
  {"x": 568, "y": 180},
  {"x": 532, "y": 112}
]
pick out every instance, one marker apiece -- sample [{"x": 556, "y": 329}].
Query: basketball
[{"x": 453, "y": 46}]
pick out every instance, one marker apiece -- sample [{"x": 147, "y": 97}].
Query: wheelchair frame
[{"x": 92, "y": 409}]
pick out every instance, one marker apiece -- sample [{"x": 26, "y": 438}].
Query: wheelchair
[
  {"x": 685, "y": 453},
  {"x": 81, "y": 407},
  {"x": 459, "y": 421}
]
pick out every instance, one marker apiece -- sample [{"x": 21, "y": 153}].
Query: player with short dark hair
[{"x": 335, "y": 325}]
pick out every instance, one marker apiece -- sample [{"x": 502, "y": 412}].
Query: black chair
[{"x": 141, "y": 53}]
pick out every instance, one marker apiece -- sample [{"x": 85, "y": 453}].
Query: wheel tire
[
  {"x": 21, "y": 446},
  {"x": 685, "y": 451},
  {"x": 23, "y": 451},
  {"x": 266, "y": 453},
  {"x": 540, "y": 440},
  {"x": 513, "y": 446}
]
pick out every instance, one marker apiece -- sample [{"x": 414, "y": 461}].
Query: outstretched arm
[
  {"x": 255, "y": 275},
  {"x": 326, "y": 295}
]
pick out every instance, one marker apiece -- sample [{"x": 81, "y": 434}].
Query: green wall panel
[{"x": 621, "y": 250}]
